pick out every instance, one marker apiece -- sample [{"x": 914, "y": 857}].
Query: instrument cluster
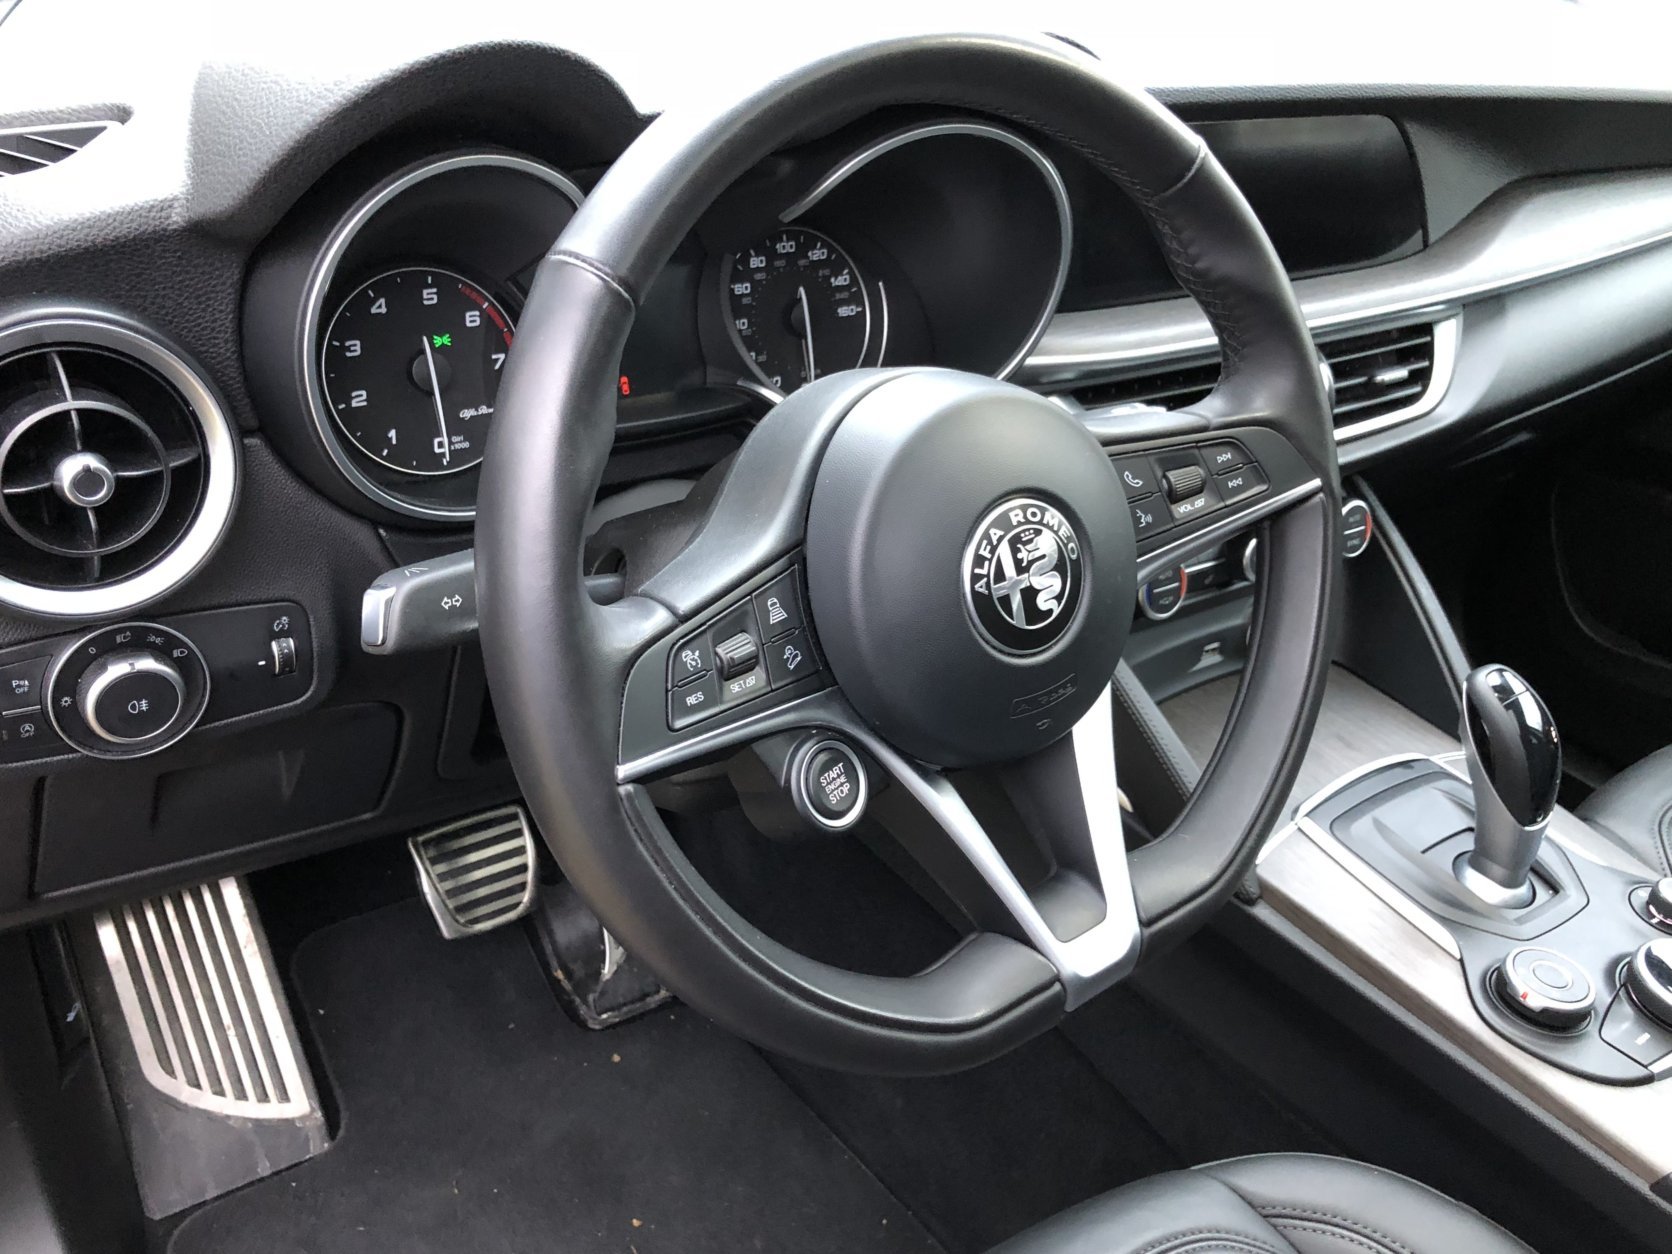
[{"x": 377, "y": 330}]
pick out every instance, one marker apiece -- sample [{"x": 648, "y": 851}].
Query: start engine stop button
[{"x": 831, "y": 785}]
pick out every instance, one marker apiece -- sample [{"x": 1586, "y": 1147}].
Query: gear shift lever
[{"x": 1515, "y": 765}]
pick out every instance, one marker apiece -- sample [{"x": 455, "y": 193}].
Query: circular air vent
[{"x": 117, "y": 468}]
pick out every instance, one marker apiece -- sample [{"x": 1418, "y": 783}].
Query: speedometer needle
[
  {"x": 807, "y": 333},
  {"x": 440, "y": 413}
]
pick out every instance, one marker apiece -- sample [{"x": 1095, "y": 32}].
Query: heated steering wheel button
[
  {"x": 790, "y": 659},
  {"x": 736, "y": 654},
  {"x": 694, "y": 700},
  {"x": 778, "y": 608}
]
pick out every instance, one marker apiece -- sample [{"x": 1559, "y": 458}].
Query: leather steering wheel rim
[{"x": 558, "y": 664}]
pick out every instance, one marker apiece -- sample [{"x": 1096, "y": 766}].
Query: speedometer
[
  {"x": 797, "y": 308},
  {"x": 411, "y": 366}
]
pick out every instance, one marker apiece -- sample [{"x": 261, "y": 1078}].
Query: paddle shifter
[{"x": 1515, "y": 765}]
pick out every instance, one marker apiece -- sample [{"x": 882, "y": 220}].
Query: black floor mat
[{"x": 477, "y": 1117}]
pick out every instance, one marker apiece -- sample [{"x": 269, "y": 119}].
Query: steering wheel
[{"x": 898, "y": 499}]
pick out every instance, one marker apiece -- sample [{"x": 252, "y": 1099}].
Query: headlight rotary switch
[{"x": 128, "y": 690}]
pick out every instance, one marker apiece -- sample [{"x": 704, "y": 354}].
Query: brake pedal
[{"x": 477, "y": 874}]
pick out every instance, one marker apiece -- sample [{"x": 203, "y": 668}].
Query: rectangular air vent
[
  {"x": 1378, "y": 375},
  {"x": 25, "y": 149}
]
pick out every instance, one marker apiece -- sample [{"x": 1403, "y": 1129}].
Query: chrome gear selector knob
[{"x": 1515, "y": 765}]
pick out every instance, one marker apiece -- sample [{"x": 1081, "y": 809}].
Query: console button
[
  {"x": 735, "y": 654},
  {"x": 689, "y": 660},
  {"x": 790, "y": 658},
  {"x": 1224, "y": 455},
  {"x": 20, "y": 685},
  {"x": 1150, "y": 517},
  {"x": 1636, "y": 1035},
  {"x": 1654, "y": 903},
  {"x": 778, "y": 608},
  {"x": 696, "y": 699},
  {"x": 1546, "y": 988},
  {"x": 1161, "y": 597},
  {"x": 1648, "y": 979},
  {"x": 1356, "y": 527},
  {"x": 831, "y": 788},
  {"x": 1137, "y": 476},
  {"x": 1237, "y": 485}
]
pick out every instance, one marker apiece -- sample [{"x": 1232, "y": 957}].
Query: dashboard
[{"x": 252, "y": 323}]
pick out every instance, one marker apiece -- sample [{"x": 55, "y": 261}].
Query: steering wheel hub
[{"x": 970, "y": 563}]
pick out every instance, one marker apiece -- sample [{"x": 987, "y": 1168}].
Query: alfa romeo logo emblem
[{"x": 1023, "y": 574}]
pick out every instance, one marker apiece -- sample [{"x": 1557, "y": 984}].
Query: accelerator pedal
[{"x": 477, "y": 874}]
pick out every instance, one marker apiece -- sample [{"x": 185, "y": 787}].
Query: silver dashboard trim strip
[
  {"x": 858, "y": 160},
  {"x": 323, "y": 273}
]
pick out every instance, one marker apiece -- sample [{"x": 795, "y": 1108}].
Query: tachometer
[
  {"x": 797, "y": 308},
  {"x": 411, "y": 366}
]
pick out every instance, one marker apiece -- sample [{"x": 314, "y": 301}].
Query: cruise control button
[
  {"x": 736, "y": 654},
  {"x": 1224, "y": 455},
  {"x": 1150, "y": 517},
  {"x": 790, "y": 659},
  {"x": 1137, "y": 476},
  {"x": 689, "y": 660},
  {"x": 697, "y": 699},
  {"x": 1236, "y": 485},
  {"x": 20, "y": 685},
  {"x": 744, "y": 687},
  {"x": 778, "y": 608}
]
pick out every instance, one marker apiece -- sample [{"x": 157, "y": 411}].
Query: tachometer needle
[
  {"x": 807, "y": 334},
  {"x": 440, "y": 413}
]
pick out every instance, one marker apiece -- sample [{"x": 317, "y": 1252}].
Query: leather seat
[
  {"x": 1634, "y": 810},
  {"x": 1270, "y": 1204}
]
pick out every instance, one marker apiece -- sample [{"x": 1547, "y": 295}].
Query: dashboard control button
[
  {"x": 1224, "y": 455},
  {"x": 1356, "y": 528},
  {"x": 790, "y": 658},
  {"x": 1183, "y": 482},
  {"x": 28, "y": 735},
  {"x": 1239, "y": 484},
  {"x": 689, "y": 660},
  {"x": 283, "y": 649},
  {"x": 696, "y": 699},
  {"x": 1546, "y": 988},
  {"x": 744, "y": 687},
  {"x": 830, "y": 788},
  {"x": 1137, "y": 476},
  {"x": 736, "y": 654},
  {"x": 20, "y": 685},
  {"x": 1150, "y": 517},
  {"x": 778, "y": 607},
  {"x": 130, "y": 697}
]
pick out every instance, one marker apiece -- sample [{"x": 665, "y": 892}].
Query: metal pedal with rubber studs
[{"x": 477, "y": 874}]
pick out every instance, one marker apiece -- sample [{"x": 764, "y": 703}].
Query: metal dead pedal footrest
[
  {"x": 477, "y": 874},
  {"x": 210, "y": 1056}
]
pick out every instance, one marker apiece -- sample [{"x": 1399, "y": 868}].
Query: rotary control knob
[
  {"x": 1546, "y": 988},
  {"x": 129, "y": 697},
  {"x": 1648, "y": 979},
  {"x": 127, "y": 690}
]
